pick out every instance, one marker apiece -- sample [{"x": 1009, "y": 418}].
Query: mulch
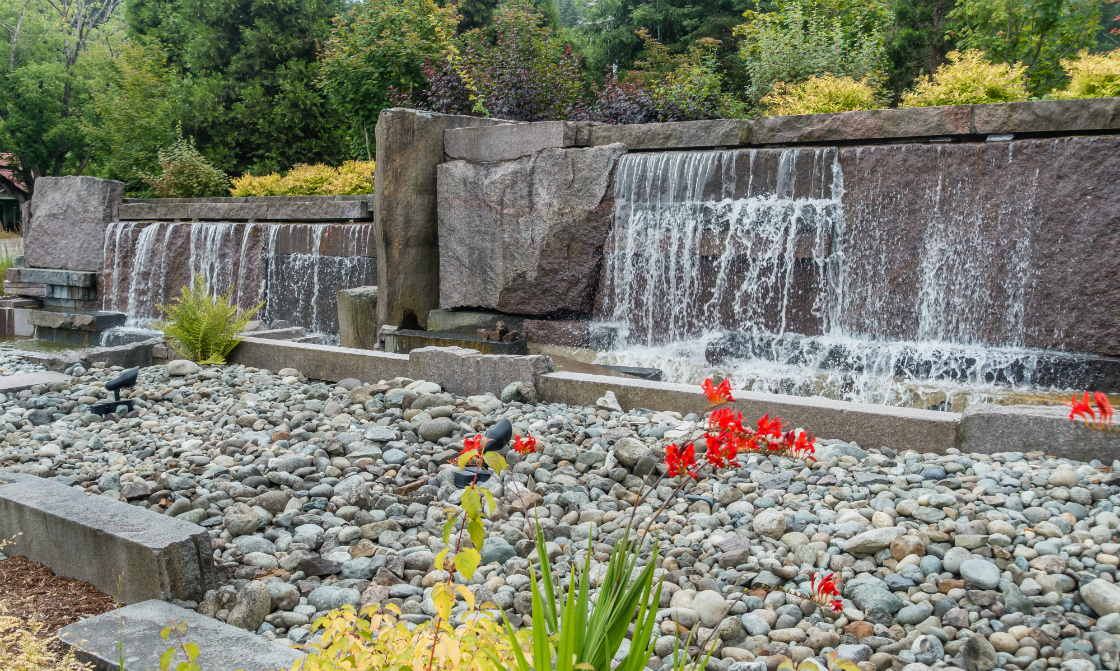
[{"x": 31, "y": 591}]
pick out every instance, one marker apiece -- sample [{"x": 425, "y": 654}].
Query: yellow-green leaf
[
  {"x": 165, "y": 632},
  {"x": 465, "y": 459},
  {"x": 495, "y": 461},
  {"x": 472, "y": 504},
  {"x": 490, "y": 500},
  {"x": 441, "y": 557},
  {"x": 476, "y": 532},
  {"x": 466, "y": 562},
  {"x": 448, "y": 527},
  {"x": 192, "y": 651},
  {"x": 166, "y": 657}
]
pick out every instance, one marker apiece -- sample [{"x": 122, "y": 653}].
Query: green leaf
[
  {"x": 441, "y": 558},
  {"x": 192, "y": 651},
  {"x": 448, "y": 527},
  {"x": 466, "y": 562},
  {"x": 166, "y": 658},
  {"x": 476, "y": 532},
  {"x": 472, "y": 504},
  {"x": 496, "y": 462}
]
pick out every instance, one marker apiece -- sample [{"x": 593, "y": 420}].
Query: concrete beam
[
  {"x": 320, "y": 362},
  {"x": 867, "y": 425},
  {"x": 127, "y": 551},
  {"x": 10, "y": 384},
  {"x": 222, "y": 647}
]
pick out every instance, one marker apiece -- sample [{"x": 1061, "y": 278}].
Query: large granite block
[
  {"x": 357, "y": 317},
  {"x": 123, "y": 550},
  {"x": 918, "y": 122},
  {"x": 514, "y": 140},
  {"x": 468, "y": 372},
  {"x": 320, "y": 362},
  {"x": 674, "y": 134},
  {"x": 524, "y": 236},
  {"x": 259, "y": 209},
  {"x": 1047, "y": 116},
  {"x": 68, "y": 218}
]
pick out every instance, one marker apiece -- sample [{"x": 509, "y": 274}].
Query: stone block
[
  {"x": 674, "y": 135},
  {"x": 98, "y": 540},
  {"x": 558, "y": 225},
  {"x": 221, "y": 646},
  {"x": 357, "y": 317},
  {"x": 67, "y": 225},
  {"x": 991, "y": 428},
  {"x": 509, "y": 141},
  {"x": 409, "y": 147},
  {"x": 125, "y": 356},
  {"x": 25, "y": 289},
  {"x": 7, "y": 322},
  {"x": 10, "y": 384},
  {"x": 1047, "y": 116},
  {"x": 467, "y": 372},
  {"x": 403, "y": 341},
  {"x": 558, "y": 332},
  {"x": 469, "y": 321},
  {"x": 918, "y": 122},
  {"x": 62, "y": 278},
  {"x": 76, "y": 320},
  {"x": 867, "y": 425},
  {"x": 290, "y": 333},
  {"x": 13, "y": 302},
  {"x": 21, "y": 323},
  {"x": 320, "y": 362}
]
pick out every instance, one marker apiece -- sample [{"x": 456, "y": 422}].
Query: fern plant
[{"x": 202, "y": 325}]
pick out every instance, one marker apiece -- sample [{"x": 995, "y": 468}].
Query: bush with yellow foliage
[
  {"x": 967, "y": 79},
  {"x": 821, "y": 95},
  {"x": 350, "y": 179},
  {"x": 1092, "y": 76}
]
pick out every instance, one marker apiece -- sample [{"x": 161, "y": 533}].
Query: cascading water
[
  {"x": 294, "y": 268},
  {"x": 740, "y": 263}
]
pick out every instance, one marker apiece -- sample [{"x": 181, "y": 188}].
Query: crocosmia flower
[
  {"x": 680, "y": 461},
  {"x": 717, "y": 394},
  {"x": 524, "y": 446}
]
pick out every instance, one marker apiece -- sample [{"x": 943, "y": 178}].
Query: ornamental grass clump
[
  {"x": 967, "y": 79},
  {"x": 1092, "y": 76},
  {"x": 201, "y": 325},
  {"x": 821, "y": 95}
]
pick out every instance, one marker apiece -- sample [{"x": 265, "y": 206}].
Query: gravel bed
[
  {"x": 15, "y": 365},
  {"x": 318, "y": 495}
]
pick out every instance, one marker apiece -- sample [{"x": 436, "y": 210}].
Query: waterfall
[
  {"x": 294, "y": 268},
  {"x": 760, "y": 265}
]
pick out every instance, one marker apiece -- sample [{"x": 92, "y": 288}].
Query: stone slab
[
  {"x": 25, "y": 289},
  {"x": 77, "y": 320},
  {"x": 320, "y": 362},
  {"x": 403, "y": 341},
  {"x": 409, "y": 147},
  {"x": 290, "y": 333},
  {"x": 67, "y": 225},
  {"x": 126, "y": 356},
  {"x": 675, "y": 134},
  {"x": 222, "y": 647},
  {"x": 867, "y": 425},
  {"x": 126, "y": 551},
  {"x": 558, "y": 332},
  {"x": 7, "y": 321},
  {"x": 513, "y": 140},
  {"x": 1047, "y": 116},
  {"x": 64, "y": 278},
  {"x": 257, "y": 209},
  {"x": 15, "y": 383},
  {"x": 1024, "y": 428},
  {"x": 468, "y": 372},
  {"x": 357, "y": 317},
  {"x": 12, "y": 302},
  {"x": 21, "y": 325},
  {"x": 469, "y": 321},
  {"x": 919, "y": 122}
]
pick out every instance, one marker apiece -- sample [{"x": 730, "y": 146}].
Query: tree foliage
[
  {"x": 1036, "y": 34},
  {"x": 917, "y": 41}
]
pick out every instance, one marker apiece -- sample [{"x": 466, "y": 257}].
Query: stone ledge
[
  {"x": 484, "y": 144},
  {"x": 78, "y": 320},
  {"x": 320, "y": 362},
  {"x": 15, "y": 383},
  {"x": 467, "y": 372},
  {"x": 60, "y": 278},
  {"x": 1025, "y": 428},
  {"x": 1047, "y": 116},
  {"x": 99, "y": 541},
  {"x": 918, "y": 122},
  {"x": 675, "y": 135},
  {"x": 266, "y": 208},
  {"x": 221, "y": 646}
]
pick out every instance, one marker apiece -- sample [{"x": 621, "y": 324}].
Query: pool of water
[{"x": 18, "y": 344}]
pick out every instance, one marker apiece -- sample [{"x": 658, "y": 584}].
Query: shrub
[
  {"x": 186, "y": 173},
  {"x": 201, "y": 325},
  {"x": 352, "y": 178},
  {"x": 967, "y": 79},
  {"x": 23, "y": 649},
  {"x": 1092, "y": 76},
  {"x": 819, "y": 95}
]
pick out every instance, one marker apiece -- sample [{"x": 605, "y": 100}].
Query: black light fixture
[
  {"x": 493, "y": 440},
  {"x": 125, "y": 380}
]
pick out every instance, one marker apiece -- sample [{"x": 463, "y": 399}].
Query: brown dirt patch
[{"x": 31, "y": 591}]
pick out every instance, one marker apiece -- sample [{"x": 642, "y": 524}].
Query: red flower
[
  {"x": 1082, "y": 409},
  {"x": 718, "y": 394},
  {"x": 680, "y": 462},
  {"x": 825, "y": 592},
  {"x": 1105, "y": 409},
  {"x": 524, "y": 446},
  {"x": 473, "y": 446},
  {"x": 800, "y": 445},
  {"x": 770, "y": 428},
  {"x": 721, "y": 453}
]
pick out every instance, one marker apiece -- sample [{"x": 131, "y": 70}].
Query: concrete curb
[
  {"x": 222, "y": 647},
  {"x": 122, "y": 550},
  {"x": 320, "y": 362},
  {"x": 17, "y": 383}
]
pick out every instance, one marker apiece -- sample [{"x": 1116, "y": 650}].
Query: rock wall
[{"x": 525, "y": 236}]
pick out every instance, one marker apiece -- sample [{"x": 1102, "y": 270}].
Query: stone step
[
  {"x": 10, "y": 384},
  {"x": 222, "y": 647}
]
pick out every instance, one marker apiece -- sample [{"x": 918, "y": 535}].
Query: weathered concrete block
[
  {"x": 98, "y": 540},
  {"x": 674, "y": 135},
  {"x": 320, "y": 362},
  {"x": 77, "y": 320},
  {"x": 991, "y": 428},
  {"x": 25, "y": 289},
  {"x": 557, "y": 224},
  {"x": 68, "y": 218},
  {"x": 357, "y": 317},
  {"x": 21, "y": 325},
  {"x": 513, "y": 140},
  {"x": 15, "y": 383},
  {"x": 467, "y": 372},
  {"x": 409, "y": 147},
  {"x": 221, "y": 646},
  {"x": 868, "y": 425}
]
